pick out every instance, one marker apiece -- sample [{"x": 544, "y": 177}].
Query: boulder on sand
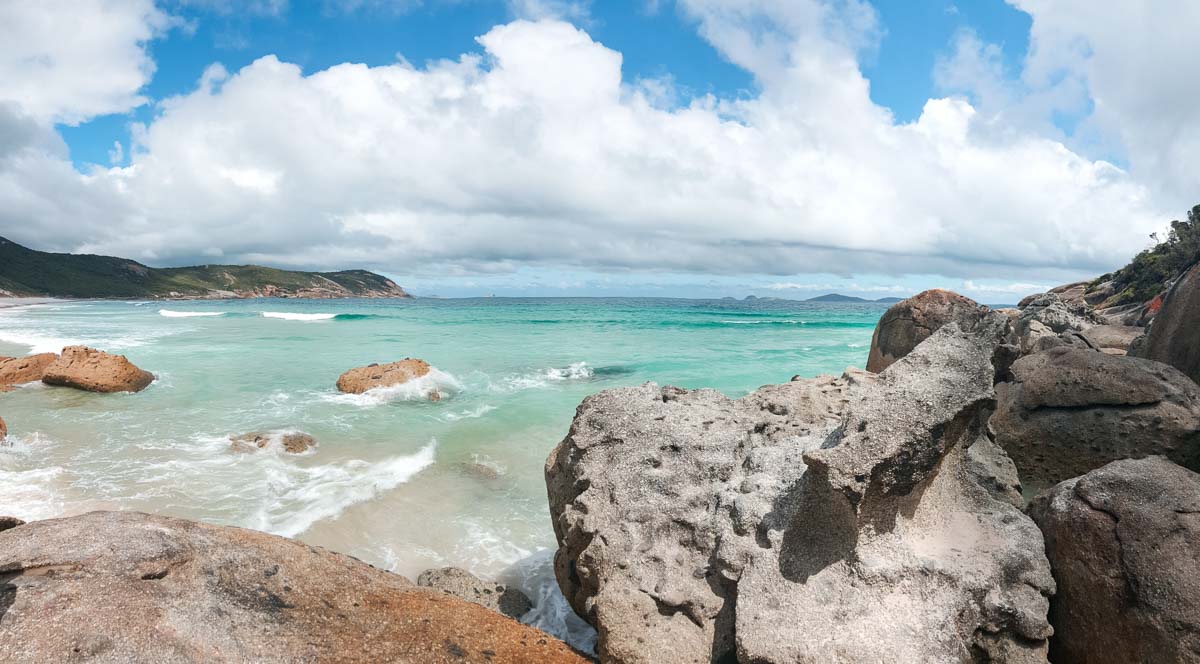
[
  {"x": 1174, "y": 337},
  {"x": 361, "y": 379},
  {"x": 294, "y": 442},
  {"x": 909, "y": 322},
  {"x": 461, "y": 583},
  {"x": 1068, "y": 411},
  {"x": 816, "y": 521},
  {"x": 130, "y": 587},
  {"x": 1124, "y": 544},
  {"x": 21, "y": 370},
  {"x": 96, "y": 371}
]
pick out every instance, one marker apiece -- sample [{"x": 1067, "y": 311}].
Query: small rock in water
[
  {"x": 461, "y": 583},
  {"x": 480, "y": 470},
  {"x": 9, "y": 522},
  {"x": 361, "y": 379},
  {"x": 294, "y": 442},
  {"x": 21, "y": 370},
  {"x": 3, "y": 429},
  {"x": 92, "y": 370}
]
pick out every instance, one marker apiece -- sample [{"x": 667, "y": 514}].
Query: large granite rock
[
  {"x": 1057, "y": 315},
  {"x": 361, "y": 379},
  {"x": 96, "y": 371},
  {"x": 1174, "y": 338},
  {"x": 129, "y": 587},
  {"x": 1069, "y": 410},
  {"x": 461, "y": 583},
  {"x": 909, "y": 322},
  {"x": 691, "y": 531},
  {"x": 1124, "y": 545},
  {"x": 21, "y": 370}
]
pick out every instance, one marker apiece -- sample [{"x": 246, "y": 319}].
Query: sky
[{"x": 689, "y": 148}]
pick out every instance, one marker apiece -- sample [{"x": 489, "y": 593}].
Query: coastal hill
[
  {"x": 838, "y": 297},
  {"x": 27, "y": 272}
]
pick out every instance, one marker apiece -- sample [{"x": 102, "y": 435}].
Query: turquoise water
[{"x": 396, "y": 480}]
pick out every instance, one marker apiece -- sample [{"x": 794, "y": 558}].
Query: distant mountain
[
  {"x": 27, "y": 272},
  {"x": 838, "y": 297}
]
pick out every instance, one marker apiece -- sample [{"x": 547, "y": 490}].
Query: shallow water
[{"x": 397, "y": 480}]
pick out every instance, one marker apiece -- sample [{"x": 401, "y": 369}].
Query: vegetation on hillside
[
  {"x": 1149, "y": 272},
  {"x": 24, "y": 271}
]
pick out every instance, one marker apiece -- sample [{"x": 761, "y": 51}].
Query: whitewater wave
[
  {"x": 28, "y": 493},
  {"x": 546, "y": 377},
  {"x": 189, "y": 314},
  {"x": 417, "y": 389},
  {"x": 469, "y": 414},
  {"x": 37, "y": 343},
  {"x": 551, "y": 613},
  {"x": 298, "y": 497},
  {"x": 763, "y": 322},
  {"x": 284, "y": 315}
]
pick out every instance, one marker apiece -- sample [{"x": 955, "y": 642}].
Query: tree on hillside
[{"x": 1149, "y": 272}]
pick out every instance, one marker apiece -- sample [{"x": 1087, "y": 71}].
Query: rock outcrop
[
  {"x": 461, "y": 583},
  {"x": 1057, "y": 315},
  {"x": 824, "y": 520},
  {"x": 6, "y": 523},
  {"x": 129, "y": 587},
  {"x": 909, "y": 322},
  {"x": 96, "y": 371},
  {"x": 293, "y": 442},
  {"x": 1174, "y": 338},
  {"x": 361, "y": 379},
  {"x": 1124, "y": 545},
  {"x": 21, "y": 370},
  {"x": 1069, "y": 410}
]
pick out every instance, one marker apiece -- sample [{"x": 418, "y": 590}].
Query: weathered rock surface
[
  {"x": 96, "y": 371},
  {"x": 1112, "y": 339},
  {"x": 129, "y": 587},
  {"x": 21, "y": 370},
  {"x": 1070, "y": 410},
  {"x": 691, "y": 531},
  {"x": 293, "y": 442},
  {"x": 461, "y": 583},
  {"x": 1059, "y": 316},
  {"x": 1124, "y": 545},
  {"x": 1174, "y": 338},
  {"x": 361, "y": 379},
  {"x": 909, "y": 322}
]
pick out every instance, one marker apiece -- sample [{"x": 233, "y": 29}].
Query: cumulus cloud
[
  {"x": 537, "y": 152},
  {"x": 70, "y": 60}
]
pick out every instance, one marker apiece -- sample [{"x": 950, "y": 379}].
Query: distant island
[
  {"x": 26, "y": 272},
  {"x": 838, "y": 297}
]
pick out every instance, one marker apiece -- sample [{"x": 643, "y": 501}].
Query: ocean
[{"x": 396, "y": 480}]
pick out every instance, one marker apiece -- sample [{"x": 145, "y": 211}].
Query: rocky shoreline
[{"x": 1000, "y": 486}]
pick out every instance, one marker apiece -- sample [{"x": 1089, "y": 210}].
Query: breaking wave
[{"x": 189, "y": 314}]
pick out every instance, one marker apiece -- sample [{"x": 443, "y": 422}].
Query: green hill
[{"x": 27, "y": 272}]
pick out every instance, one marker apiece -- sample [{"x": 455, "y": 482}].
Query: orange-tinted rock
[
  {"x": 130, "y": 587},
  {"x": 909, "y": 322},
  {"x": 294, "y": 442},
  {"x": 361, "y": 379},
  {"x": 96, "y": 371},
  {"x": 3, "y": 429},
  {"x": 21, "y": 370}
]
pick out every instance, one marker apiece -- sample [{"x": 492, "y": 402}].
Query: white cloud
[
  {"x": 70, "y": 60},
  {"x": 539, "y": 153}
]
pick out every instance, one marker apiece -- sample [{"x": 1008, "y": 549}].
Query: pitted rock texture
[
  {"x": 1059, "y": 316},
  {"x": 130, "y": 587},
  {"x": 21, "y": 370},
  {"x": 1068, "y": 411},
  {"x": 461, "y": 583},
  {"x": 691, "y": 531},
  {"x": 1174, "y": 338},
  {"x": 909, "y": 322},
  {"x": 89, "y": 369},
  {"x": 1124, "y": 544},
  {"x": 361, "y": 379}
]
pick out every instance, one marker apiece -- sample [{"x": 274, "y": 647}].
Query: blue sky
[{"x": 873, "y": 147}]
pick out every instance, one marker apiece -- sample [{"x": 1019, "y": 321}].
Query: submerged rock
[
  {"x": 690, "y": 530},
  {"x": 909, "y": 322},
  {"x": 130, "y": 587},
  {"x": 361, "y": 379},
  {"x": 1124, "y": 544},
  {"x": 1068, "y": 411},
  {"x": 96, "y": 371},
  {"x": 21, "y": 370},
  {"x": 294, "y": 442},
  {"x": 1174, "y": 338},
  {"x": 461, "y": 583}
]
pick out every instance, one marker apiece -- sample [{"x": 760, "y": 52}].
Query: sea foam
[
  {"x": 284, "y": 315},
  {"x": 417, "y": 389},
  {"x": 546, "y": 377},
  {"x": 189, "y": 314}
]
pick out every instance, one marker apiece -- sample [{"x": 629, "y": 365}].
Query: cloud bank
[{"x": 537, "y": 152}]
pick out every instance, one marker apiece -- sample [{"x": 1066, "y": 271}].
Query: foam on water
[
  {"x": 469, "y": 414},
  {"x": 189, "y": 314},
  {"x": 546, "y": 377},
  {"x": 551, "y": 613},
  {"x": 28, "y": 493},
  {"x": 417, "y": 389},
  {"x": 37, "y": 343},
  {"x": 284, "y": 315}
]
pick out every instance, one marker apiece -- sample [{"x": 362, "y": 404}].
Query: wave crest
[{"x": 189, "y": 314}]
